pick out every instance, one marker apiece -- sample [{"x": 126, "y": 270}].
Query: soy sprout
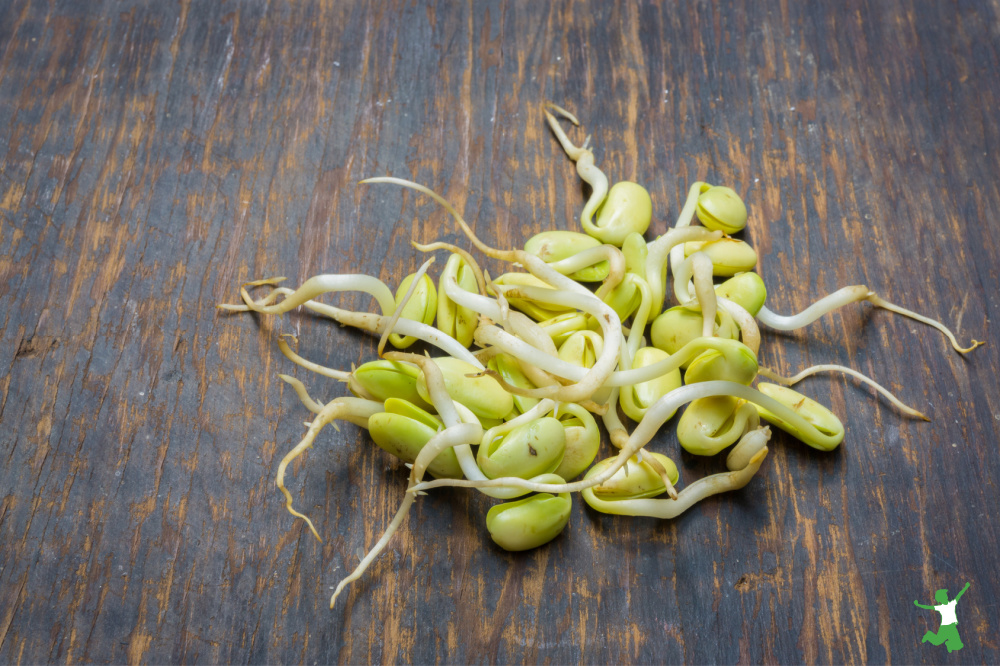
[
  {"x": 832, "y": 367},
  {"x": 846, "y": 296},
  {"x": 516, "y": 415}
]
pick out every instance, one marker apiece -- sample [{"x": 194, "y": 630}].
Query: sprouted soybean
[{"x": 553, "y": 354}]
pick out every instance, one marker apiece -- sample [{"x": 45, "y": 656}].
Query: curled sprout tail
[
  {"x": 562, "y": 112},
  {"x": 877, "y": 301},
  {"x": 300, "y": 390},
  {"x": 397, "y": 520},
  {"x": 266, "y": 300},
  {"x": 337, "y": 409},
  {"x": 323, "y": 284},
  {"x": 264, "y": 281},
  {"x": 789, "y": 381},
  {"x": 480, "y": 245},
  {"x": 586, "y": 169},
  {"x": 308, "y": 365},
  {"x": 535, "y": 265},
  {"x": 572, "y": 150},
  {"x": 845, "y": 296},
  {"x": 456, "y": 435}
]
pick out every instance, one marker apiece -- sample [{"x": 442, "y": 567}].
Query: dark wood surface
[{"x": 155, "y": 155}]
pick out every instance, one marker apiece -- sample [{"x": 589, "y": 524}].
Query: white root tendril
[
  {"x": 585, "y": 168},
  {"x": 308, "y": 365},
  {"x": 355, "y": 409},
  {"x": 303, "y": 394},
  {"x": 829, "y": 367},
  {"x": 463, "y": 433},
  {"x": 845, "y": 296},
  {"x": 318, "y": 285}
]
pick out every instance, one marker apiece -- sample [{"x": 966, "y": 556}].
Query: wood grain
[{"x": 155, "y": 155}]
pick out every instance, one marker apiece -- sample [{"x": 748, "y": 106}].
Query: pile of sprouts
[{"x": 527, "y": 364}]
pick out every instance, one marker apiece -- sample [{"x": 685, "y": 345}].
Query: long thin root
[
  {"x": 879, "y": 302},
  {"x": 789, "y": 381}
]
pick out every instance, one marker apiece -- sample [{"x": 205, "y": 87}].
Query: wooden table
[{"x": 155, "y": 155}]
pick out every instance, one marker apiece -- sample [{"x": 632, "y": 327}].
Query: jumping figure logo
[{"x": 948, "y": 633}]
